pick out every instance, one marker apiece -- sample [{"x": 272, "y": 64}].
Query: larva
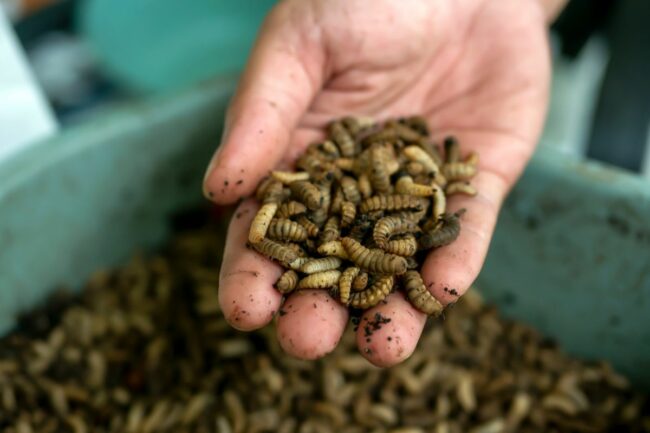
[
  {"x": 348, "y": 213},
  {"x": 260, "y": 224},
  {"x": 320, "y": 280},
  {"x": 460, "y": 187},
  {"x": 439, "y": 203},
  {"x": 307, "y": 193},
  {"x": 337, "y": 200},
  {"x": 452, "y": 149},
  {"x": 286, "y": 230},
  {"x": 360, "y": 282},
  {"x": 416, "y": 153},
  {"x": 287, "y": 282},
  {"x": 379, "y": 175},
  {"x": 365, "y": 187},
  {"x": 274, "y": 193},
  {"x": 329, "y": 149},
  {"x": 405, "y": 185},
  {"x": 445, "y": 233},
  {"x": 419, "y": 296},
  {"x": 373, "y": 260},
  {"x": 345, "y": 283},
  {"x": 373, "y": 295},
  {"x": 291, "y": 208},
  {"x": 319, "y": 216},
  {"x": 391, "y": 203},
  {"x": 312, "y": 266},
  {"x": 312, "y": 229},
  {"x": 458, "y": 171},
  {"x": 350, "y": 189},
  {"x": 287, "y": 177},
  {"x": 331, "y": 230},
  {"x": 390, "y": 226},
  {"x": 275, "y": 251},
  {"x": 333, "y": 248},
  {"x": 405, "y": 246},
  {"x": 342, "y": 138}
]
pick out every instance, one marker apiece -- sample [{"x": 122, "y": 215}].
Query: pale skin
[{"x": 477, "y": 69}]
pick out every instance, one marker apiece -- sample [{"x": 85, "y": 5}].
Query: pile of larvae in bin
[{"x": 362, "y": 210}]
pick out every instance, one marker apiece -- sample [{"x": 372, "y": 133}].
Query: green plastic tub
[{"x": 571, "y": 255}]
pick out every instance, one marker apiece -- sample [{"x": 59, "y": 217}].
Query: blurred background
[{"x": 63, "y": 60}]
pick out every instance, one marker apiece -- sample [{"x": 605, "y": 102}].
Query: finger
[
  {"x": 246, "y": 293},
  {"x": 450, "y": 270},
  {"x": 389, "y": 333},
  {"x": 280, "y": 80},
  {"x": 311, "y": 324}
]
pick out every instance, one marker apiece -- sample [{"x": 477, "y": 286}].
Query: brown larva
[
  {"x": 348, "y": 213},
  {"x": 365, "y": 187},
  {"x": 274, "y": 192},
  {"x": 287, "y": 177},
  {"x": 282, "y": 229},
  {"x": 264, "y": 184},
  {"x": 261, "y": 222},
  {"x": 419, "y": 296},
  {"x": 337, "y": 200},
  {"x": 416, "y": 153},
  {"x": 391, "y": 203},
  {"x": 320, "y": 280},
  {"x": 333, "y": 248},
  {"x": 342, "y": 138},
  {"x": 460, "y": 187},
  {"x": 345, "y": 283},
  {"x": 417, "y": 123},
  {"x": 312, "y": 229},
  {"x": 320, "y": 215},
  {"x": 275, "y": 251},
  {"x": 439, "y": 203},
  {"x": 350, "y": 189},
  {"x": 346, "y": 164},
  {"x": 390, "y": 226},
  {"x": 329, "y": 148},
  {"x": 373, "y": 260},
  {"x": 287, "y": 282},
  {"x": 307, "y": 193},
  {"x": 379, "y": 174},
  {"x": 405, "y": 246},
  {"x": 452, "y": 149},
  {"x": 331, "y": 230},
  {"x": 405, "y": 185},
  {"x": 290, "y": 208},
  {"x": 458, "y": 171},
  {"x": 445, "y": 233},
  {"x": 312, "y": 266},
  {"x": 414, "y": 168},
  {"x": 360, "y": 282},
  {"x": 374, "y": 294}
]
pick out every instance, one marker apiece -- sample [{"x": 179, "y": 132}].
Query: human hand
[{"x": 477, "y": 69}]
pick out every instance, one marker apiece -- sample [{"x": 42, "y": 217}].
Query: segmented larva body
[
  {"x": 350, "y": 189},
  {"x": 414, "y": 168},
  {"x": 379, "y": 174},
  {"x": 420, "y": 297},
  {"x": 347, "y": 164},
  {"x": 288, "y": 177},
  {"x": 392, "y": 202},
  {"x": 405, "y": 185},
  {"x": 458, "y": 171},
  {"x": 331, "y": 230},
  {"x": 355, "y": 124},
  {"x": 342, "y": 138},
  {"x": 373, "y": 260},
  {"x": 417, "y": 123},
  {"x": 329, "y": 149},
  {"x": 406, "y": 246},
  {"x": 320, "y": 280},
  {"x": 307, "y": 193},
  {"x": 333, "y": 248},
  {"x": 337, "y": 200},
  {"x": 261, "y": 222},
  {"x": 282, "y": 229},
  {"x": 312, "y": 266},
  {"x": 411, "y": 263},
  {"x": 390, "y": 226},
  {"x": 445, "y": 233},
  {"x": 287, "y": 282},
  {"x": 374, "y": 294},
  {"x": 348, "y": 213},
  {"x": 260, "y": 192},
  {"x": 365, "y": 187},
  {"x": 452, "y": 149},
  {"x": 275, "y": 251},
  {"x": 345, "y": 283},
  {"x": 291, "y": 208},
  {"x": 300, "y": 252},
  {"x": 274, "y": 193},
  {"x": 312, "y": 229},
  {"x": 439, "y": 203},
  {"x": 460, "y": 187},
  {"x": 360, "y": 282},
  {"x": 319, "y": 216}
]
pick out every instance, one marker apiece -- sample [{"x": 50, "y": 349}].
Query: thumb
[{"x": 283, "y": 74}]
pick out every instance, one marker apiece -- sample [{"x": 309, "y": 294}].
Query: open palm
[{"x": 477, "y": 69}]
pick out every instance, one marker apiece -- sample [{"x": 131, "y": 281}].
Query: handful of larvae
[{"x": 362, "y": 211}]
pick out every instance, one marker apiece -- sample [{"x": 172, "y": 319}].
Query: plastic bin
[{"x": 571, "y": 254}]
